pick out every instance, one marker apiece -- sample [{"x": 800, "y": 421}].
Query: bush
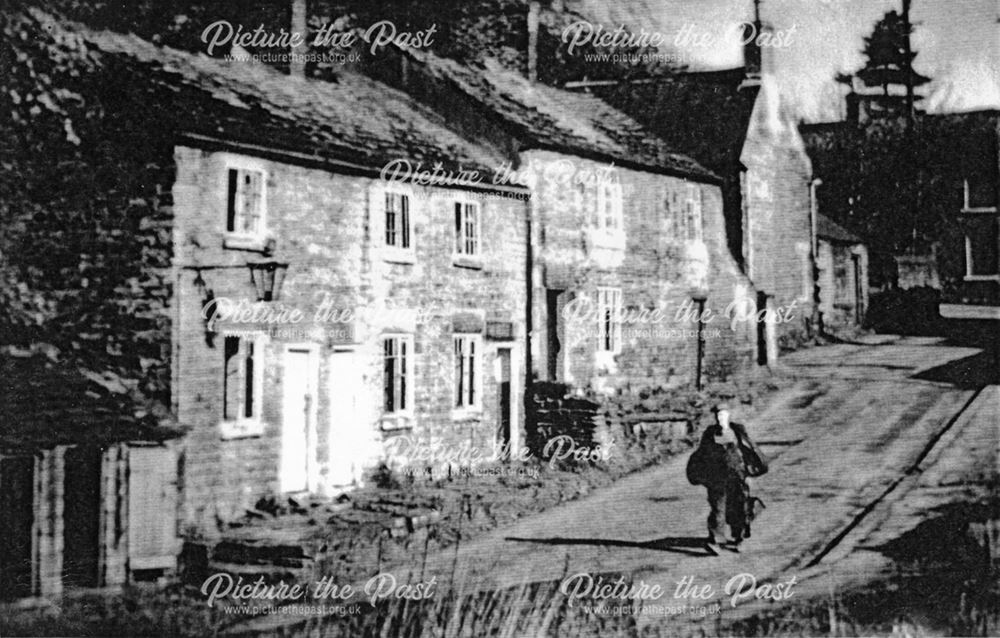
[{"x": 910, "y": 312}]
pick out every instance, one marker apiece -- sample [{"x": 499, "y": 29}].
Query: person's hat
[{"x": 719, "y": 407}]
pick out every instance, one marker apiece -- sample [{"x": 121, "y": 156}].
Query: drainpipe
[
  {"x": 529, "y": 280},
  {"x": 814, "y": 185},
  {"x": 700, "y": 300},
  {"x": 533, "y": 11}
]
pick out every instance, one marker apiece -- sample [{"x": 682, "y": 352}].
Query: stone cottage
[
  {"x": 341, "y": 283},
  {"x": 735, "y": 123},
  {"x": 628, "y": 238},
  {"x": 329, "y": 309}
]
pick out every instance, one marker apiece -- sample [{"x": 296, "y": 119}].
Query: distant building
[
  {"x": 735, "y": 123},
  {"x": 842, "y": 272},
  {"x": 961, "y": 181},
  {"x": 627, "y": 233},
  {"x": 88, "y": 481}
]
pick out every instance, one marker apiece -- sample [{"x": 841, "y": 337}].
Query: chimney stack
[
  {"x": 533, "y": 11},
  {"x": 297, "y": 63},
  {"x": 752, "y": 57}
]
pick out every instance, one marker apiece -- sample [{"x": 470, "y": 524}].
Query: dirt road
[{"x": 865, "y": 442}]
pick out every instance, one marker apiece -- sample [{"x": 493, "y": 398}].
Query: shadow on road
[
  {"x": 967, "y": 373},
  {"x": 686, "y": 545}
]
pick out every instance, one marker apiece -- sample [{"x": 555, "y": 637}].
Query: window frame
[
  {"x": 407, "y": 394},
  {"x": 474, "y": 370},
  {"x": 391, "y": 252},
  {"x": 609, "y": 329},
  {"x": 236, "y": 238},
  {"x": 460, "y": 236},
  {"x": 966, "y": 208},
  {"x": 610, "y": 205},
  {"x": 241, "y": 425},
  {"x": 970, "y": 274},
  {"x": 693, "y": 213}
]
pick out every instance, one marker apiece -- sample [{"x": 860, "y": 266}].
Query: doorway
[
  {"x": 554, "y": 333},
  {"x": 81, "y": 516},
  {"x": 298, "y": 439},
  {"x": 767, "y": 333},
  {"x": 859, "y": 290},
  {"x": 347, "y": 444},
  {"x": 17, "y": 502},
  {"x": 505, "y": 400}
]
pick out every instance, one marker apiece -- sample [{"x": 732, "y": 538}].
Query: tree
[{"x": 888, "y": 69}]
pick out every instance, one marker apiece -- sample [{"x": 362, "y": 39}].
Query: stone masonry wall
[
  {"x": 655, "y": 268},
  {"x": 777, "y": 204},
  {"x": 324, "y": 227}
]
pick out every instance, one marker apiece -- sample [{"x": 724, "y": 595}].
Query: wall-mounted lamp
[
  {"x": 267, "y": 278},
  {"x": 207, "y": 297}
]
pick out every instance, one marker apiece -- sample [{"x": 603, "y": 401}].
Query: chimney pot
[
  {"x": 533, "y": 11},
  {"x": 297, "y": 61}
]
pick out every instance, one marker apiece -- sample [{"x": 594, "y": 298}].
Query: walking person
[{"x": 723, "y": 463}]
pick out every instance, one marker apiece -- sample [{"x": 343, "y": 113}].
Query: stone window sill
[
  {"x": 474, "y": 413},
  {"x": 606, "y": 239},
  {"x": 245, "y": 242},
  {"x": 399, "y": 255},
  {"x": 241, "y": 429},
  {"x": 396, "y": 422},
  {"x": 466, "y": 261}
]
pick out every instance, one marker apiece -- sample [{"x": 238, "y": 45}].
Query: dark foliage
[{"x": 84, "y": 210}]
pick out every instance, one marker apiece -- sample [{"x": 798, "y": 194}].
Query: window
[
  {"x": 397, "y": 355},
  {"x": 609, "y": 317},
  {"x": 982, "y": 246},
  {"x": 468, "y": 352},
  {"x": 610, "y": 205},
  {"x": 467, "y": 229},
  {"x": 806, "y": 270},
  {"x": 980, "y": 195},
  {"x": 692, "y": 219},
  {"x": 671, "y": 213},
  {"x": 243, "y": 370},
  {"x": 397, "y": 220},
  {"x": 245, "y": 203}
]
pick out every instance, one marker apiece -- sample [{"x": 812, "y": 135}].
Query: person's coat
[{"x": 714, "y": 464}]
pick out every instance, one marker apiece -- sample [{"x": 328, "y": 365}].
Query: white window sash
[
  {"x": 468, "y": 376},
  {"x": 248, "y": 208},
  {"x": 397, "y": 220},
  {"x": 239, "y": 383},
  {"x": 469, "y": 230},
  {"x": 397, "y": 382}
]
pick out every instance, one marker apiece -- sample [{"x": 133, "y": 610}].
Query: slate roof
[
  {"x": 355, "y": 119},
  {"x": 704, "y": 114},
  {"x": 545, "y": 117},
  {"x": 829, "y": 229},
  {"x": 45, "y": 402}
]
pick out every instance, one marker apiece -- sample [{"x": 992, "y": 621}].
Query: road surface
[{"x": 869, "y": 438}]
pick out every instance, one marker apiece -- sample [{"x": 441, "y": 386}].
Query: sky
[{"x": 958, "y": 43}]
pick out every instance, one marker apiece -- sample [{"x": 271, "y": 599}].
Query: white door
[
  {"x": 152, "y": 508},
  {"x": 349, "y": 435},
  {"x": 298, "y": 455},
  {"x": 771, "y": 329}
]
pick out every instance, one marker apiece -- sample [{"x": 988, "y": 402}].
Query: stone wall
[
  {"x": 777, "y": 232},
  {"x": 326, "y": 227},
  {"x": 657, "y": 269}
]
